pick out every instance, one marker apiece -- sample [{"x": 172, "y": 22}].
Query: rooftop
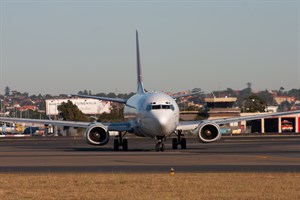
[{"x": 216, "y": 100}]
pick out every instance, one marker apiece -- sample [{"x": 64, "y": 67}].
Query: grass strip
[{"x": 150, "y": 186}]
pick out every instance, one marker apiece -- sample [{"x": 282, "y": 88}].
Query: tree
[
  {"x": 80, "y": 93},
  {"x": 284, "y": 106},
  {"x": 126, "y": 96},
  {"x": 267, "y": 97},
  {"x": 115, "y": 115},
  {"x": 48, "y": 96},
  {"x": 281, "y": 91},
  {"x": 111, "y": 95},
  {"x": 253, "y": 103},
  {"x": 230, "y": 92},
  {"x": 249, "y": 85},
  {"x": 16, "y": 93},
  {"x": 243, "y": 94},
  {"x": 7, "y": 91},
  {"x": 63, "y": 96},
  {"x": 25, "y": 94},
  {"x": 85, "y": 92},
  {"x": 294, "y": 93},
  {"x": 70, "y": 112}
]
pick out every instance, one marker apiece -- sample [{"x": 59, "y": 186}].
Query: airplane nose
[{"x": 165, "y": 125}]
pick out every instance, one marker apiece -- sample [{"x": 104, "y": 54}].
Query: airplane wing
[
  {"x": 191, "y": 125},
  {"x": 122, "y": 126},
  {"x": 117, "y": 100},
  {"x": 186, "y": 95}
]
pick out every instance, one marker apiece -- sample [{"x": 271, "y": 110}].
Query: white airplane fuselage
[{"x": 154, "y": 114}]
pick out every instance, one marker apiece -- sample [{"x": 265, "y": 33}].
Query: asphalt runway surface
[{"x": 230, "y": 154}]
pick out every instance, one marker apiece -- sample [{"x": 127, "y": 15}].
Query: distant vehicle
[
  {"x": 287, "y": 126},
  {"x": 7, "y": 129},
  {"x": 34, "y": 131}
]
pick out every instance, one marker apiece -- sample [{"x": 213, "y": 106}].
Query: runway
[{"x": 230, "y": 154}]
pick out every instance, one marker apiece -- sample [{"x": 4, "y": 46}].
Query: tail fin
[{"x": 140, "y": 87}]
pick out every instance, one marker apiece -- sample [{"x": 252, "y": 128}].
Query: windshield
[{"x": 159, "y": 107}]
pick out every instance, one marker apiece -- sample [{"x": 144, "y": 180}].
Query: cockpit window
[
  {"x": 155, "y": 107},
  {"x": 158, "y": 107},
  {"x": 166, "y": 106}
]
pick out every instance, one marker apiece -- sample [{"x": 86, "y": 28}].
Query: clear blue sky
[{"x": 55, "y": 47}]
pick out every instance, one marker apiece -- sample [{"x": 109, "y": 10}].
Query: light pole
[
  {"x": 1, "y": 105},
  {"x": 2, "y": 109}
]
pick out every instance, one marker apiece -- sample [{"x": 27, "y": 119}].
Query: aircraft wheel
[
  {"x": 125, "y": 145},
  {"x": 183, "y": 143},
  {"x": 116, "y": 144},
  {"x": 157, "y": 146},
  {"x": 162, "y": 147},
  {"x": 174, "y": 143}
]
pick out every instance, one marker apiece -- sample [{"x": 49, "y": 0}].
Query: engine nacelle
[
  {"x": 208, "y": 131},
  {"x": 96, "y": 134}
]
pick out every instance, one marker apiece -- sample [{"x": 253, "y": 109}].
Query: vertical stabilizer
[{"x": 140, "y": 87}]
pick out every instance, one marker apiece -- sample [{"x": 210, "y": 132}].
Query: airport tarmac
[{"x": 230, "y": 154}]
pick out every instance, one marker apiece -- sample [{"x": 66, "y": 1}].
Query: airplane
[{"x": 152, "y": 114}]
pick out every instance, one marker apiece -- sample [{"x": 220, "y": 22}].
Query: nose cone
[{"x": 165, "y": 124}]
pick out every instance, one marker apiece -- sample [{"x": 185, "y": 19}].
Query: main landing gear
[
  {"x": 160, "y": 145},
  {"x": 180, "y": 140},
  {"x": 119, "y": 141}
]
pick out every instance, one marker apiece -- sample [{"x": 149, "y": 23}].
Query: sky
[{"x": 62, "y": 47}]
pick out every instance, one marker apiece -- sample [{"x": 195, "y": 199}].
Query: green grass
[{"x": 150, "y": 186}]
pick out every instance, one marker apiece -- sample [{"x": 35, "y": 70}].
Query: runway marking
[{"x": 262, "y": 157}]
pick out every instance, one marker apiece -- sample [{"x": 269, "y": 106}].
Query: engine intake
[
  {"x": 208, "y": 132},
  {"x": 96, "y": 134}
]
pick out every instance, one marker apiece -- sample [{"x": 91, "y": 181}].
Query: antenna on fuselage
[{"x": 140, "y": 87}]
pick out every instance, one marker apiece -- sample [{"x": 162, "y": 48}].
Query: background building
[{"x": 87, "y": 106}]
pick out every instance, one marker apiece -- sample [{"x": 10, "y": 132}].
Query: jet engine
[
  {"x": 208, "y": 131},
  {"x": 96, "y": 134}
]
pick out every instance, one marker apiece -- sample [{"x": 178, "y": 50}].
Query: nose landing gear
[{"x": 160, "y": 145}]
